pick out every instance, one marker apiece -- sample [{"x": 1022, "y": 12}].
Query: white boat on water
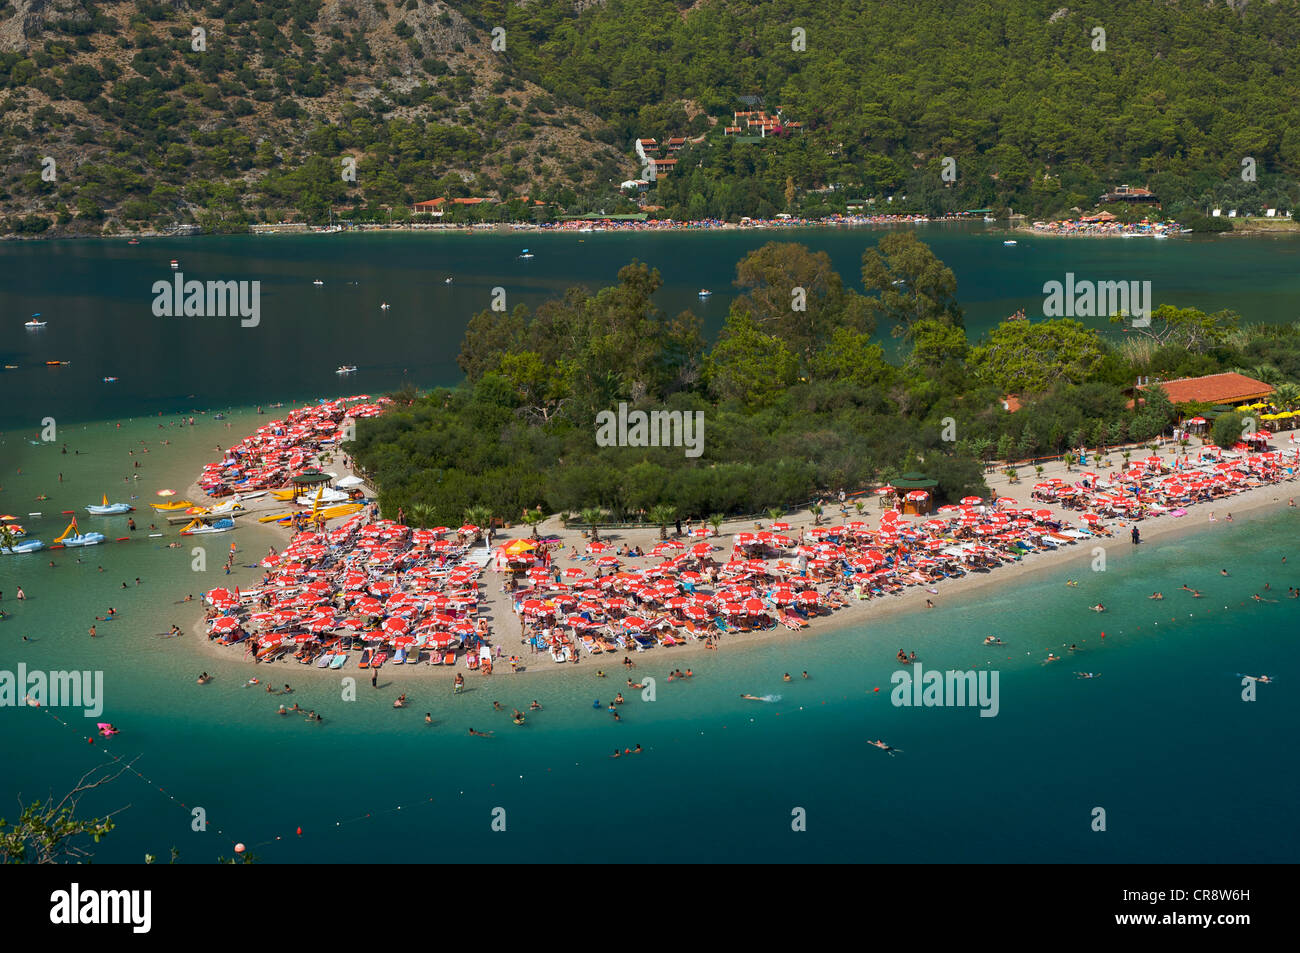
[
  {"x": 385, "y": 306},
  {"x": 347, "y": 369},
  {"x": 318, "y": 282},
  {"x": 18, "y": 548},
  {"x": 174, "y": 263},
  {"x": 447, "y": 280},
  {"x": 106, "y": 508},
  {"x": 33, "y": 324},
  {"x": 705, "y": 293},
  {"x": 526, "y": 254},
  {"x": 989, "y": 218},
  {"x": 1009, "y": 241}
]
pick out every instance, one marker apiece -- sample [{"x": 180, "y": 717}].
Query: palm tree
[
  {"x": 1285, "y": 395},
  {"x": 1038, "y": 469},
  {"x": 663, "y": 514},
  {"x": 716, "y": 522},
  {"x": 859, "y": 506},
  {"x": 816, "y": 510},
  {"x": 774, "y": 514},
  {"x": 1070, "y": 460},
  {"x": 7, "y": 538},
  {"x": 1013, "y": 476},
  {"x": 591, "y": 516},
  {"x": 1126, "y": 455},
  {"x": 422, "y": 514},
  {"x": 533, "y": 519},
  {"x": 479, "y": 516}
]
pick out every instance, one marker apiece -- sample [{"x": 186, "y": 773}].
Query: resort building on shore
[
  {"x": 1130, "y": 193},
  {"x": 1230, "y": 390}
]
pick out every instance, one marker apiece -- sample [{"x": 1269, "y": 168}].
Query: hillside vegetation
[{"x": 1039, "y": 111}]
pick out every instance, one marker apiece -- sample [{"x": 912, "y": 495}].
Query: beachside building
[
  {"x": 1230, "y": 390},
  {"x": 1130, "y": 193}
]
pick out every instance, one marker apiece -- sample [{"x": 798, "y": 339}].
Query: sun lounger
[{"x": 339, "y": 660}]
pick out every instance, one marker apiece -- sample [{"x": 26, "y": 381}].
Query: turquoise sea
[{"x": 1185, "y": 769}]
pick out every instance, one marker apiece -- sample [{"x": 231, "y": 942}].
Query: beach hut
[{"x": 908, "y": 485}]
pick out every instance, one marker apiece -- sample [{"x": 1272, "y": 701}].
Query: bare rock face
[
  {"x": 21, "y": 29},
  {"x": 1064, "y": 11},
  {"x": 25, "y": 22}
]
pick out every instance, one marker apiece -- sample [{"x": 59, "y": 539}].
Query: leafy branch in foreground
[{"x": 47, "y": 832}]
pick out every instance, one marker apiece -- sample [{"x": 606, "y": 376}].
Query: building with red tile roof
[{"x": 1213, "y": 389}]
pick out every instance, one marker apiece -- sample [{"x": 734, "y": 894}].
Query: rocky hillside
[{"x": 142, "y": 115}]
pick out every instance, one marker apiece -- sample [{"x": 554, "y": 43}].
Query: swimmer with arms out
[{"x": 887, "y": 748}]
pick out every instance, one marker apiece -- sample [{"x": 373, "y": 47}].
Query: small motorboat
[
  {"x": 33, "y": 324},
  {"x": 526, "y": 254},
  {"x": 134, "y": 241},
  {"x": 110, "y": 380},
  {"x": 18, "y": 548},
  {"x": 989, "y": 218},
  {"x": 1009, "y": 241},
  {"x": 705, "y": 293},
  {"x": 105, "y": 508},
  {"x": 318, "y": 282},
  {"x": 385, "y": 306},
  {"x": 347, "y": 369},
  {"x": 447, "y": 280},
  {"x": 174, "y": 263},
  {"x": 57, "y": 363}
]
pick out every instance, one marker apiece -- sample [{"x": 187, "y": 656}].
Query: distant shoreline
[{"x": 494, "y": 228}]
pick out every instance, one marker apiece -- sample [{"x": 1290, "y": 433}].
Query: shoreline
[
  {"x": 495, "y": 228},
  {"x": 496, "y": 606}
]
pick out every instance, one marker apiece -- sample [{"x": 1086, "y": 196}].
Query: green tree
[
  {"x": 906, "y": 283},
  {"x": 1027, "y": 357},
  {"x": 662, "y": 515},
  {"x": 748, "y": 366}
]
